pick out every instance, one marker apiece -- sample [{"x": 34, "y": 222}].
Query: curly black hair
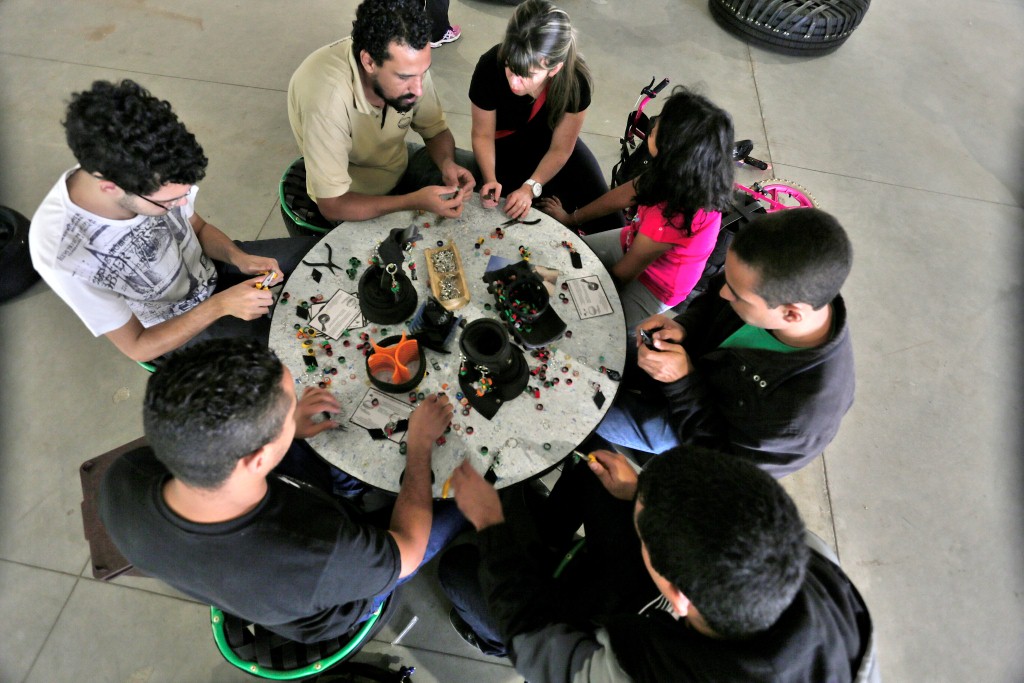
[
  {"x": 380, "y": 22},
  {"x": 694, "y": 167},
  {"x": 725, "y": 534},
  {"x": 211, "y": 404},
  {"x": 123, "y": 133}
]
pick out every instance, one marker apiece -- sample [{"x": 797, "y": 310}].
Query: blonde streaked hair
[{"x": 540, "y": 36}]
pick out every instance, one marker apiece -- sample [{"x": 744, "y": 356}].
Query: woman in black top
[{"x": 530, "y": 95}]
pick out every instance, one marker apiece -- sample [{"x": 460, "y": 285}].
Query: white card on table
[{"x": 589, "y": 297}]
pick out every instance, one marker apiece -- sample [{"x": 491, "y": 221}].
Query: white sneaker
[{"x": 450, "y": 36}]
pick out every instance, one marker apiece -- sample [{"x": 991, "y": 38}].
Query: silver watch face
[{"x": 535, "y": 186}]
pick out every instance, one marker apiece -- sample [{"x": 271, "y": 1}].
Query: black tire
[{"x": 792, "y": 27}]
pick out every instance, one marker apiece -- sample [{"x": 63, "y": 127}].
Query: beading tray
[{"x": 447, "y": 278}]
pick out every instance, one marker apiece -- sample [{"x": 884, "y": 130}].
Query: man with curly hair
[
  {"x": 350, "y": 104},
  {"x": 119, "y": 240}
]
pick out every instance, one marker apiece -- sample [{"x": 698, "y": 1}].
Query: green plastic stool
[
  {"x": 264, "y": 654},
  {"x": 300, "y": 213},
  {"x": 567, "y": 558}
]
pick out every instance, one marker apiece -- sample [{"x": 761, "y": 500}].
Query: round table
[{"x": 529, "y": 435}]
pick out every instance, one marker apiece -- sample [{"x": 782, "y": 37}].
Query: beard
[{"x": 399, "y": 104}]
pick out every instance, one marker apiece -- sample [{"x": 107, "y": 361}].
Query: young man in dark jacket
[
  {"x": 761, "y": 365},
  {"x": 729, "y": 589}
]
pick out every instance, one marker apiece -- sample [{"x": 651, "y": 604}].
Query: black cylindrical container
[{"x": 485, "y": 344}]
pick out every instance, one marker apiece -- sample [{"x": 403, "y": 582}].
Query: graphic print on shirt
[{"x": 156, "y": 264}]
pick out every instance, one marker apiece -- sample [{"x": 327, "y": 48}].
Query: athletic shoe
[
  {"x": 469, "y": 635},
  {"x": 450, "y": 36},
  {"x": 463, "y": 629}
]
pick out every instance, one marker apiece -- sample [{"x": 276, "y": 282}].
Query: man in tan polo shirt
[{"x": 350, "y": 104}]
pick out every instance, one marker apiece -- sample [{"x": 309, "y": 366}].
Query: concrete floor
[{"x": 910, "y": 134}]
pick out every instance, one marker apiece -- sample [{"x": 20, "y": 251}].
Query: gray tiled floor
[{"x": 910, "y": 134}]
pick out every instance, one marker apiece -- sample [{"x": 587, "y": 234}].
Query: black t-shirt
[
  {"x": 301, "y": 563},
  {"x": 490, "y": 91}
]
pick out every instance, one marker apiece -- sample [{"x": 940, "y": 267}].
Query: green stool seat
[
  {"x": 567, "y": 558},
  {"x": 264, "y": 654},
  {"x": 300, "y": 213}
]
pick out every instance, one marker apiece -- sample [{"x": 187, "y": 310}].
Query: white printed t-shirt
[{"x": 106, "y": 270}]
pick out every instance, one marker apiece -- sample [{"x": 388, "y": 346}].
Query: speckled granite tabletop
[{"x": 529, "y": 434}]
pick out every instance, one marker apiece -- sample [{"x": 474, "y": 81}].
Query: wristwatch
[{"x": 536, "y": 187}]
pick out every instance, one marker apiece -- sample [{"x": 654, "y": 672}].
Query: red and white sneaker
[{"x": 450, "y": 36}]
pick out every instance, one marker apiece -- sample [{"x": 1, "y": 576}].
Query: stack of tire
[
  {"x": 16, "y": 272},
  {"x": 791, "y": 27}
]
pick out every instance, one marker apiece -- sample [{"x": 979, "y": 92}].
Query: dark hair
[
  {"x": 800, "y": 256},
  {"x": 211, "y": 404},
  {"x": 131, "y": 138},
  {"x": 693, "y": 168},
  {"x": 539, "y": 35},
  {"x": 725, "y": 534},
  {"x": 378, "y": 23}
]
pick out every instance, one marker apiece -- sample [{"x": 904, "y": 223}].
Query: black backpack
[{"x": 16, "y": 271}]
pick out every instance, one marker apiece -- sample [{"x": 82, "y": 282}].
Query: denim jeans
[
  {"x": 458, "y": 571},
  {"x": 447, "y": 524},
  {"x": 608, "y": 578},
  {"x": 639, "y": 422},
  {"x": 639, "y": 418},
  {"x": 303, "y": 463}
]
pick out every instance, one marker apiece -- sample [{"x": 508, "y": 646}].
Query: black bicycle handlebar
[{"x": 653, "y": 92}]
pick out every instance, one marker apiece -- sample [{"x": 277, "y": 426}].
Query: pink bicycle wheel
[{"x": 789, "y": 195}]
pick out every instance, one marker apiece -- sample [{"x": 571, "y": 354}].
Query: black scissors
[{"x": 330, "y": 265}]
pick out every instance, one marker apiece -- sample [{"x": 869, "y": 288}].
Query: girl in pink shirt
[{"x": 658, "y": 258}]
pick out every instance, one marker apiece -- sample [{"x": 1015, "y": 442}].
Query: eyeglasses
[{"x": 165, "y": 204}]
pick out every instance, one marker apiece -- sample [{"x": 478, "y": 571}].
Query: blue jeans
[
  {"x": 639, "y": 418},
  {"x": 303, "y": 463},
  {"x": 638, "y": 422},
  {"x": 459, "y": 575},
  {"x": 458, "y": 571},
  {"x": 448, "y": 523},
  {"x": 608, "y": 578}
]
